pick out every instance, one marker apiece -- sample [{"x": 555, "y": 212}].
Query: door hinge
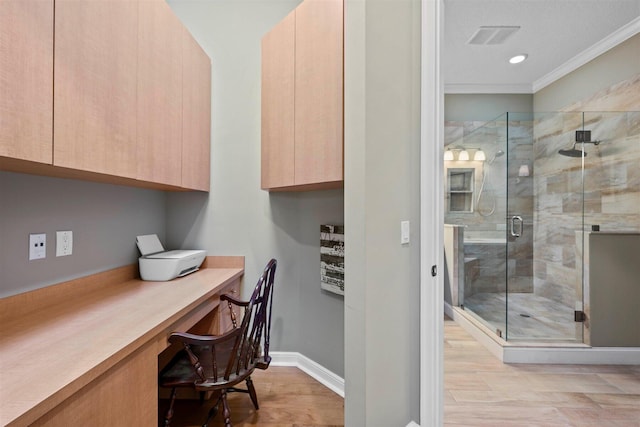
[
  {"x": 434, "y": 270},
  {"x": 579, "y": 316}
]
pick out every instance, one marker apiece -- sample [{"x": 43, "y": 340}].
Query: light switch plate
[
  {"x": 404, "y": 232},
  {"x": 37, "y": 246},
  {"x": 64, "y": 243}
]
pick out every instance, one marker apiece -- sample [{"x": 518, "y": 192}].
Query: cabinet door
[
  {"x": 26, "y": 79},
  {"x": 278, "y": 151},
  {"x": 159, "y": 141},
  {"x": 319, "y": 92},
  {"x": 196, "y": 127},
  {"x": 95, "y": 85}
]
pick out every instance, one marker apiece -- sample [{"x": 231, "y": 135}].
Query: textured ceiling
[{"x": 552, "y": 32}]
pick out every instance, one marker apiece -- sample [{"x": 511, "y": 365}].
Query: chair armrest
[
  {"x": 193, "y": 339},
  {"x": 203, "y": 362},
  {"x": 233, "y": 300},
  {"x": 263, "y": 363},
  {"x": 236, "y": 302}
]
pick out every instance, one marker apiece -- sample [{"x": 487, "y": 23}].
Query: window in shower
[{"x": 460, "y": 189}]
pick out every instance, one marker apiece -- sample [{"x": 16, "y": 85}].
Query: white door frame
[{"x": 431, "y": 218}]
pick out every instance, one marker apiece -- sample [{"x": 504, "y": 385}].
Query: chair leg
[
  {"x": 225, "y": 409},
  {"x": 169, "y": 414},
  {"x": 212, "y": 412},
  {"x": 252, "y": 392}
]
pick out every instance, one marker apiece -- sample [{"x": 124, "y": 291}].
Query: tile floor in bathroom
[
  {"x": 530, "y": 317},
  {"x": 480, "y": 390}
]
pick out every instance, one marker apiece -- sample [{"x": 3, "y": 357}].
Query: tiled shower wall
[
  {"x": 544, "y": 260},
  {"x": 611, "y": 184},
  {"x": 521, "y": 203},
  {"x": 489, "y": 218}
]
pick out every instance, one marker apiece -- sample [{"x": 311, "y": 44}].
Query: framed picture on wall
[{"x": 332, "y": 258}]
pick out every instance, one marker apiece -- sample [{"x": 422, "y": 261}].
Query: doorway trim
[{"x": 431, "y": 217}]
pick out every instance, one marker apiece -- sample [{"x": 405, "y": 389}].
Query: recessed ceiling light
[{"x": 518, "y": 58}]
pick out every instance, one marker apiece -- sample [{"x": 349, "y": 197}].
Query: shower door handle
[{"x": 515, "y": 233}]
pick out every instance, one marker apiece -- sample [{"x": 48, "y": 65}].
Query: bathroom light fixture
[
  {"x": 448, "y": 155},
  {"x": 518, "y": 58},
  {"x": 479, "y": 156},
  {"x": 523, "y": 170},
  {"x": 464, "y": 155}
]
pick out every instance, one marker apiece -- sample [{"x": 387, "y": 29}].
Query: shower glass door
[
  {"x": 476, "y": 205},
  {"x": 545, "y": 222}
]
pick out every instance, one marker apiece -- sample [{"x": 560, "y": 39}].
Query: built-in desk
[{"x": 86, "y": 352}]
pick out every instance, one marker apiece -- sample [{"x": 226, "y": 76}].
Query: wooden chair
[{"x": 218, "y": 363}]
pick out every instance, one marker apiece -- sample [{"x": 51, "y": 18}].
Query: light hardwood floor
[
  {"x": 479, "y": 391},
  {"x": 287, "y": 397},
  {"x": 482, "y": 391}
]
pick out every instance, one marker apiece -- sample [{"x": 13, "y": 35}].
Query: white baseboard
[
  {"x": 315, "y": 370},
  {"x": 572, "y": 354},
  {"x": 311, "y": 368}
]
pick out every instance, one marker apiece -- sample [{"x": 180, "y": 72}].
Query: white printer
[{"x": 159, "y": 265}]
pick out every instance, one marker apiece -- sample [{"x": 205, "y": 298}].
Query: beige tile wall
[
  {"x": 544, "y": 260},
  {"x": 611, "y": 184}
]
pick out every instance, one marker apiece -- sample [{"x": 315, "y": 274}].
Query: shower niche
[{"x": 460, "y": 189}]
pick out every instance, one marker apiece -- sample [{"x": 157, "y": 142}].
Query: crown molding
[
  {"x": 463, "y": 88},
  {"x": 612, "y": 40}
]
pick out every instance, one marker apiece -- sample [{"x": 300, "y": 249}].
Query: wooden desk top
[{"x": 49, "y": 354}]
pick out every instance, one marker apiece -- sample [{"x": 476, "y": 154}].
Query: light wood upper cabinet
[
  {"x": 196, "y": 115},
  {"x": 318, "y": 92},
  {"x": 122, "y": 95},
  {"x": 159, "y": 91},
  {"x": 278, "y": 82},
  {"x": 95, "y": 86},
  {"x": 302, "y": 99},
  {"x": 26, "y": 79}
]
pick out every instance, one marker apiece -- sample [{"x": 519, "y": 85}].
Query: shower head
[
  {"x": 582, "y": 137},
  {"x": 573, "y": 152}
]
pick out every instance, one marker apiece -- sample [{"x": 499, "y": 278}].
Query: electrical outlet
[
  {"x": 64, "y": 243},
  {"x": 37, "y": 246}
]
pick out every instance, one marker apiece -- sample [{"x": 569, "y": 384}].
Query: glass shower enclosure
[{"x": 523, "y": 191}]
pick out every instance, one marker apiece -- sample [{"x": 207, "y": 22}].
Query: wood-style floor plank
[
  {"x": 479, "y": 391},
  {"x": 482, "y": 391},
  {"x": 287, "y": 397}
]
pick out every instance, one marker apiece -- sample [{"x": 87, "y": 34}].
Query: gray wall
[
  {"x": 236, "y": 217},
  {"x": 377, "y": 347},
  {"x": 104, "y": 218},
  {"x": 612, "y": 284},
  {"x": 484, "y": 107},
  {"x": 616, "y": 65},
  {"x": 382, "y": 175}
]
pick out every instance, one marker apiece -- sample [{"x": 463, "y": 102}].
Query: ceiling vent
[{"x": 492, "y": 35}]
